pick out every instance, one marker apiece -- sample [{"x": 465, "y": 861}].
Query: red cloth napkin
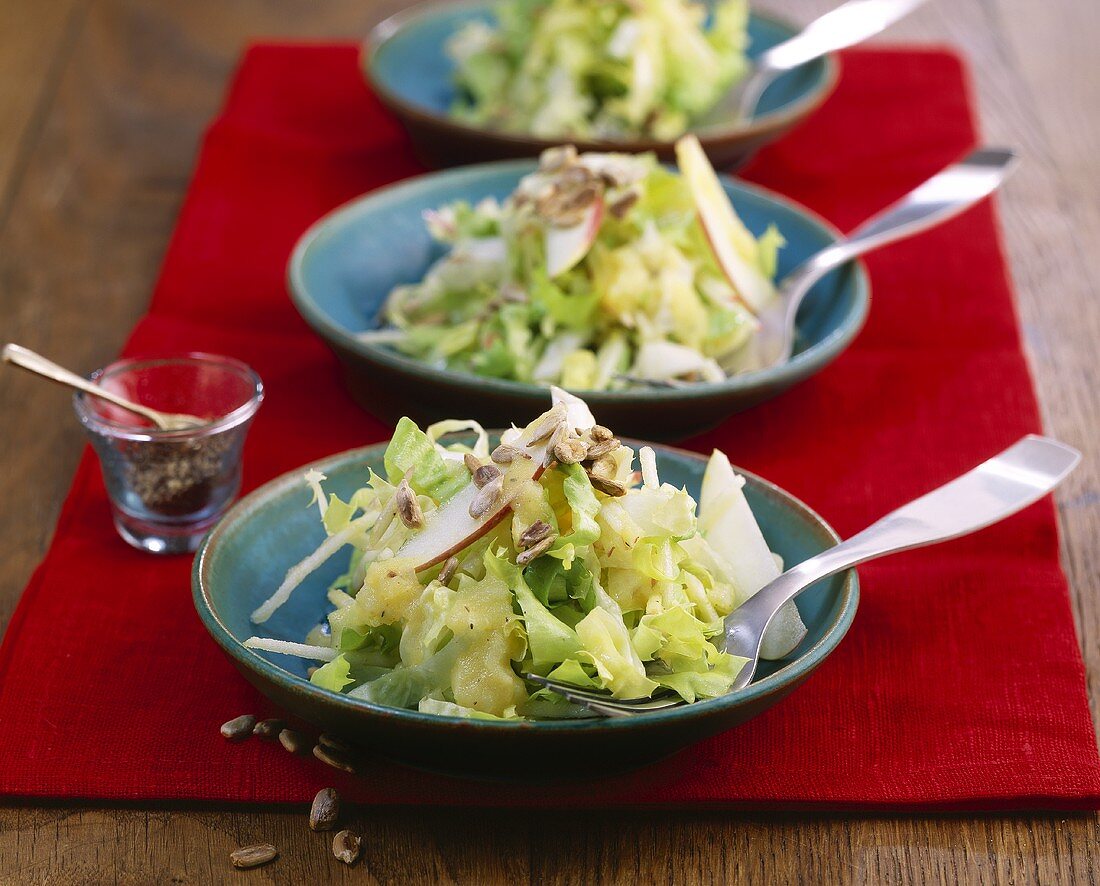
[{"x": 960, "y": 684}]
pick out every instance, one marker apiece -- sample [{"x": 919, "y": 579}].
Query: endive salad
[
  {"x": 607, "y": 69},
  {"x": 598, "y": 271},
  {"x": 548, "y": 554}
]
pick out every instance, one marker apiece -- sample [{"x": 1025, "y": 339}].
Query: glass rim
[{"x": 229, "y": 420}]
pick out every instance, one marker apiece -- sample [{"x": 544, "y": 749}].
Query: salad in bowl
[
  {"x": 556, "y": 552},
  {"x": 598, "y": 272},
  {"x": 562, "y": 69}
]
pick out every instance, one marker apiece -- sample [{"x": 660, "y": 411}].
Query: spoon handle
[
  {"x": 27, "y": 359},
  {"x": 848, "y": 24},
  {"x": 996, "y": 489}
]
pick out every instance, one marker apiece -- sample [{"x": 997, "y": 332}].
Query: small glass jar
[{"x": 167, "y": 488}]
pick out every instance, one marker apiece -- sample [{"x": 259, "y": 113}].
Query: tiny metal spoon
[
  {"x": 848, "y": 24},
  {"x": 941, "y": 197},
  {"x": 39, "y": 365}
]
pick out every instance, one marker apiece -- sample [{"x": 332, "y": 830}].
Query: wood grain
[{"x": 102, "y": 103}]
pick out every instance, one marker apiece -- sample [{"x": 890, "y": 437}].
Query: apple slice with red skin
[
  {"x": 565, "y": 247},
  {"x": 725, "y": 232},
  {"x": 450, "y": 528}
]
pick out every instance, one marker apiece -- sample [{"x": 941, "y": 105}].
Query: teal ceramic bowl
[
  {"x": 407, "y": 67},
  {"x": 245, "y": 557},
  {"x": 344, "y": 266}
]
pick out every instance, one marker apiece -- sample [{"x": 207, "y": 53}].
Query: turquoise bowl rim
[
  {"x": 762, "y": 124},
  {"x": 801, "y": 365},
  {"x": 787, "y": 676}
]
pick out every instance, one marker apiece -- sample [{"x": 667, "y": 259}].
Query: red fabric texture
[{"x": 960, "y": 684}]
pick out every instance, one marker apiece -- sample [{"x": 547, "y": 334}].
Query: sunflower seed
[
  {"x": 268, "y": 728},
  {"x": 547, "y": 425},
  {"x": 553, "y": 159},
  {"x": 345, "y": 846},
  {"x": 407, "y": 506},
  {"x": 505, "y": 454},
  {"x": 512, "y": 293},
  {"x": 599, "y": 433},
  {"x": 334, "y": 758},
  {"x": 471, "y": 461},
  {"x": 331, "y": 741},
  {"x": 253, "y": 856},
  {"x": 293, "y": 741},
  {"x": 604, "y": 467},
  {"x": 597, "y": 450},
  {"x": 534, "y": 533},
  {"x": 448, "y": 570},
  {"x": 624, "y": 204},
  {"x": 239, "y": 728},
  {"x": 535, "y": 551},
  {"x": 485, "y": 474},
  {"x": 570, "y": 451},
  {"x": 486, "y": 498},
  {"x": 325, "y": 810},
  {"x": 607, "y": 486}
]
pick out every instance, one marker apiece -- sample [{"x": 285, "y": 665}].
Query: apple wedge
[
  {"x": 728, "y": 525},
  {"x": 727, "y": 235},
  {"x": 565, "y": 247},
  {"x": 450, "y": 528}
]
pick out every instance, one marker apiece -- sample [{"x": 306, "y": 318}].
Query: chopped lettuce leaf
[
  {"x": 605, "y": 639},
  {"x": 334, "y": 675},
  {"x": 411, "y": 449}
]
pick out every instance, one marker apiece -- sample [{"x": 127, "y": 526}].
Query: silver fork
[
  {"x": 848, "y": 24},
  {"x": 943, "y": 196},
  {"x": 996, "y": 489}
]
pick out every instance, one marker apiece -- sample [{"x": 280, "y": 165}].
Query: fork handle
[
  {"x": 943, "y": 196},
  {"x": 848, "y": 24},
  {"x": 996, "y": 489}
]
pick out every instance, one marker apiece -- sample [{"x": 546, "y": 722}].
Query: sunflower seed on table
[
  {"x": 408, "y": 508},
  {"x": 345, "y": 846},
  {"x": 239, "y": 728},
  {"x": 448, "y": 571},
  {"x": 471, "y": 461},
  {"x": 268, "y": 728},
  {"x": 253, "y": 856},
  {"x": 534, "y": 533},
  {"x": 601, "y": 448},
  {"x": 293, "y": 741},
  {"x": 334, "y": 758},
  {"x": 325, "y": 810},
  {"x": 487, "y": 496},
  {"x": 485, "y": 474},
  {"x": 535, "y": 551},
  {"x": 331, "y": 741}
]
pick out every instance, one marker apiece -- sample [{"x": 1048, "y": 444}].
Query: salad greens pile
[
  {"x": 470, "y": 569},
  {"x": 608, "y": 69},
  {"x": 599, "y": 269}
]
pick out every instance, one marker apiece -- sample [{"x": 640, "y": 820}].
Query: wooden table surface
[{"x": 102, "y": 103}]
